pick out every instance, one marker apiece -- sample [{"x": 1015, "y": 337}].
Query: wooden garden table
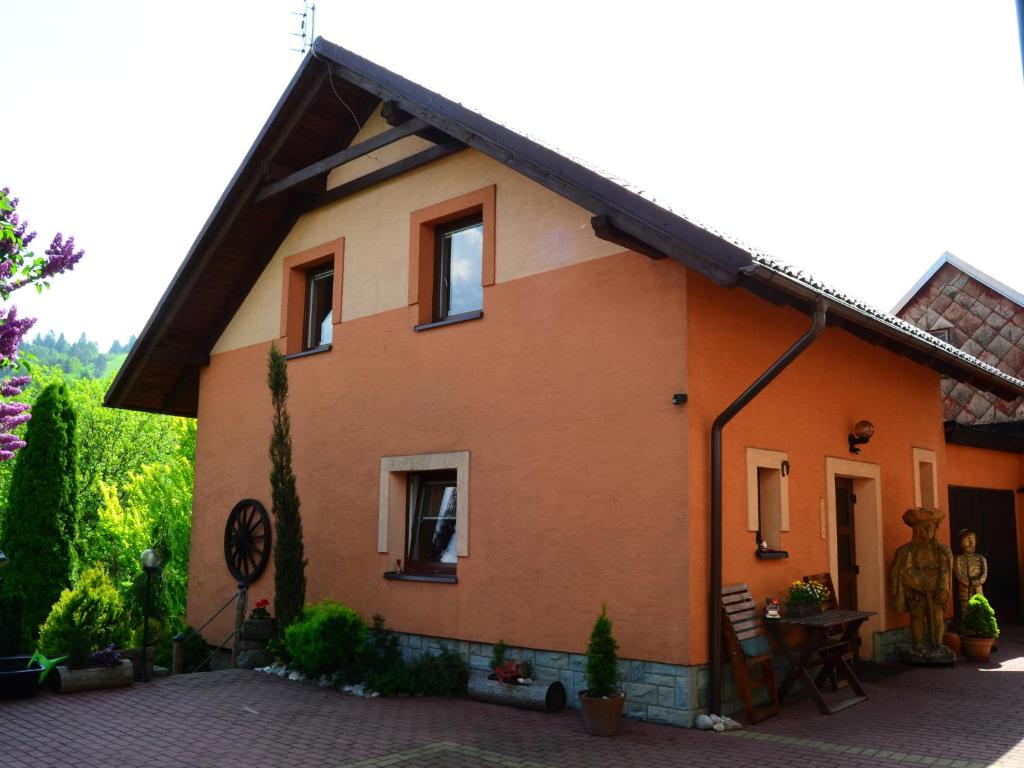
[{"x": 824, "y": 647}]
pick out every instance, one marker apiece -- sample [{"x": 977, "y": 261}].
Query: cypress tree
[
  {"x": 41, "y": 530},
  {"x": 289, "y": 555}
]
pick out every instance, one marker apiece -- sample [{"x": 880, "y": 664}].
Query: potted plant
[
  {"x": 602, "y": 701},
  {"x": 805, "y": 598},
  {"x": 980, "y": 629},
  {"x": 260, "y": 624}
]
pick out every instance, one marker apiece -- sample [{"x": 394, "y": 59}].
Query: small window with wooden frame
[
  {"x": 767, "y": 497},
  {"x": 925, "y": 478},
  {"x": 451, "y": 258},
  {"x": 311, "y": 298}
]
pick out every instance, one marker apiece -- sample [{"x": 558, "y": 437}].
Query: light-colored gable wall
[{"x": 536, "y": 231}]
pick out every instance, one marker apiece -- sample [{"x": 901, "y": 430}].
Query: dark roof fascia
[
  {"x": 968, "y": 269},
  {"x": 696, "y": 248},
  {"x": 177, "y": 290},
  {"x": 1008, "y": 437},
  {"x": 780, "y": 288}
]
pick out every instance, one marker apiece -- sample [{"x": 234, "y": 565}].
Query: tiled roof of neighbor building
[
  {"x": 314, "y": 117},
  {"x": 983, "y": 318}
]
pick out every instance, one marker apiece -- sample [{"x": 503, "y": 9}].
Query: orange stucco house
[{"x": 505, "y": 373}]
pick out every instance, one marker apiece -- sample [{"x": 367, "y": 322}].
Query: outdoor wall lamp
[
  {"x": 150, "y": 562},
  {"x": 4, "y": 559},
  {"x": 862, "y": 433}
]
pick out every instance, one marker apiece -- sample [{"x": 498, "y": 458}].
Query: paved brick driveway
[{"x": 967, "y": 716}]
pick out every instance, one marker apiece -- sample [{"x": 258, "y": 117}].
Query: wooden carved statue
[
  {"x": 920, "y": 582},
  {"x": 970, "y": 569}
]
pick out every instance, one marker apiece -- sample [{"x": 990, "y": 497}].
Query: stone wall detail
[{"x": 672, "y": 694}]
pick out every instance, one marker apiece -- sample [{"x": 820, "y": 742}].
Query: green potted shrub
[
  {"x": 980, "y": 629},
  {"x": 602, "y": 701}
]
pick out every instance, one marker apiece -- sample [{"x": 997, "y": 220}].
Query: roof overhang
[
  {"x": 782, "y": 286},
  {"x": 310, "y": 131}
]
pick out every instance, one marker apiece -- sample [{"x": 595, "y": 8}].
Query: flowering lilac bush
[{"x": 20, "y": 267}]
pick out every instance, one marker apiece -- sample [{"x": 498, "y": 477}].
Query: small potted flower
[
  {"x": 260, "y": 624},
  {"x": 980, "y": 629},
  {"x": 805, "y": 598}
]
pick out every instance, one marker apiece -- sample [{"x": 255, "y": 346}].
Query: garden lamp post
[{"x": 150, "y": 561}]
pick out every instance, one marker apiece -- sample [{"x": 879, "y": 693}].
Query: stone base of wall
[
  {"x": 655, "y": 692},
  {"x": 886, "y": 644}
]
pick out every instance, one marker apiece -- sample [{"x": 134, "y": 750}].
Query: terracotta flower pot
[
  {"x": 977, "y": 648},
  {"x": 600, "y": 714},
  {"x": 952, "y": 641}
]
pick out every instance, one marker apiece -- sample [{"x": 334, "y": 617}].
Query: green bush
[
  {"x": 41, "y": 522},
  {"x": 381, "y": 653},
  {"x": 196, "y": 648},
  {"x": 602, "y": 662},
  {"x": 979, "y": 618},
  {"x": 445, "y": 674},
  {"x": 327, "y": 638},
  {"x": 84, "y": 619},
  {"x": 498, "y": 654}
]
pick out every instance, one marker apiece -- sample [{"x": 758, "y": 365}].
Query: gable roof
[
  {"x": 968, "y": 269},
  {"x": 333, "y": 92}
]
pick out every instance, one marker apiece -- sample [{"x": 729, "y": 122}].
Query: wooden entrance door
[
  {"x": 846, "y": 549},
  {"x": 990, "y": 514}
]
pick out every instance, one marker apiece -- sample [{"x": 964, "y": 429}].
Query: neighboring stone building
[{"x": 965, "y": 307}]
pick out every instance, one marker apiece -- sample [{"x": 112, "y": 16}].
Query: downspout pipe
[{"x": 737, "y": 405}]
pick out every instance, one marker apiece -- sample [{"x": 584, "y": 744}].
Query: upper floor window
[
  {"x": 459, "y": 264},
  {"x": 451, "y": 258},
  {"x": 311, "y": 298},
  {"x": 319, "y": 314}
]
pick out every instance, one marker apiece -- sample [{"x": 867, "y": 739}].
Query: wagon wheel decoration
[{"x": 247, "y": 539}]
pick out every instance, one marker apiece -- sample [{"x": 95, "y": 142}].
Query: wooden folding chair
[{"x": 748, "y": 649}]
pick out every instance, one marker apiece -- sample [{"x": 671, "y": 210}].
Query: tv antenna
[{"x": 307, "y": 26}]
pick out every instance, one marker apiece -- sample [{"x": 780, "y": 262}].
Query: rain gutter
[{"x": 715, "y": 596}]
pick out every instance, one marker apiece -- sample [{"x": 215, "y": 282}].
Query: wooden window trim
[
  {"x": 422, "y": 245},
  {"x": 294, "y": 291}
]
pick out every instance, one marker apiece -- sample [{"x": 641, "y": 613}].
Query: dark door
[
  {"x": 989, "y": 513},
  {"x": 846, "y": 550}
]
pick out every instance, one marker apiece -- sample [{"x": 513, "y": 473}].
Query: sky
[{"x": 857, "y": 141}]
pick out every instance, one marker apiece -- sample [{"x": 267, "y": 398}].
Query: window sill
[
  {"x": 771, "y": 554},
  {"x": 450, "y": 320},
  {"x": 308, "y": 352},
  {"x": 436, "y": 578}
]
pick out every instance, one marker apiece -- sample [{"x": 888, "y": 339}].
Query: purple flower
[{"x": 60, "y": 256}]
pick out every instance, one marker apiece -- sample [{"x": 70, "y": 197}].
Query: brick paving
[{"x": 965, "y": 717}]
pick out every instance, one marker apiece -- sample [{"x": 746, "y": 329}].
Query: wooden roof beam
[
  {"x": 331, "y": 162},
  {"x": 604, "y": 228},
  {"x": 381, "y": 175}
]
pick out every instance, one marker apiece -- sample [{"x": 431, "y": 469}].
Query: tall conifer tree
[
  {"x": 41, "y": 526},
  {"x": 289, "y": 554}
]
